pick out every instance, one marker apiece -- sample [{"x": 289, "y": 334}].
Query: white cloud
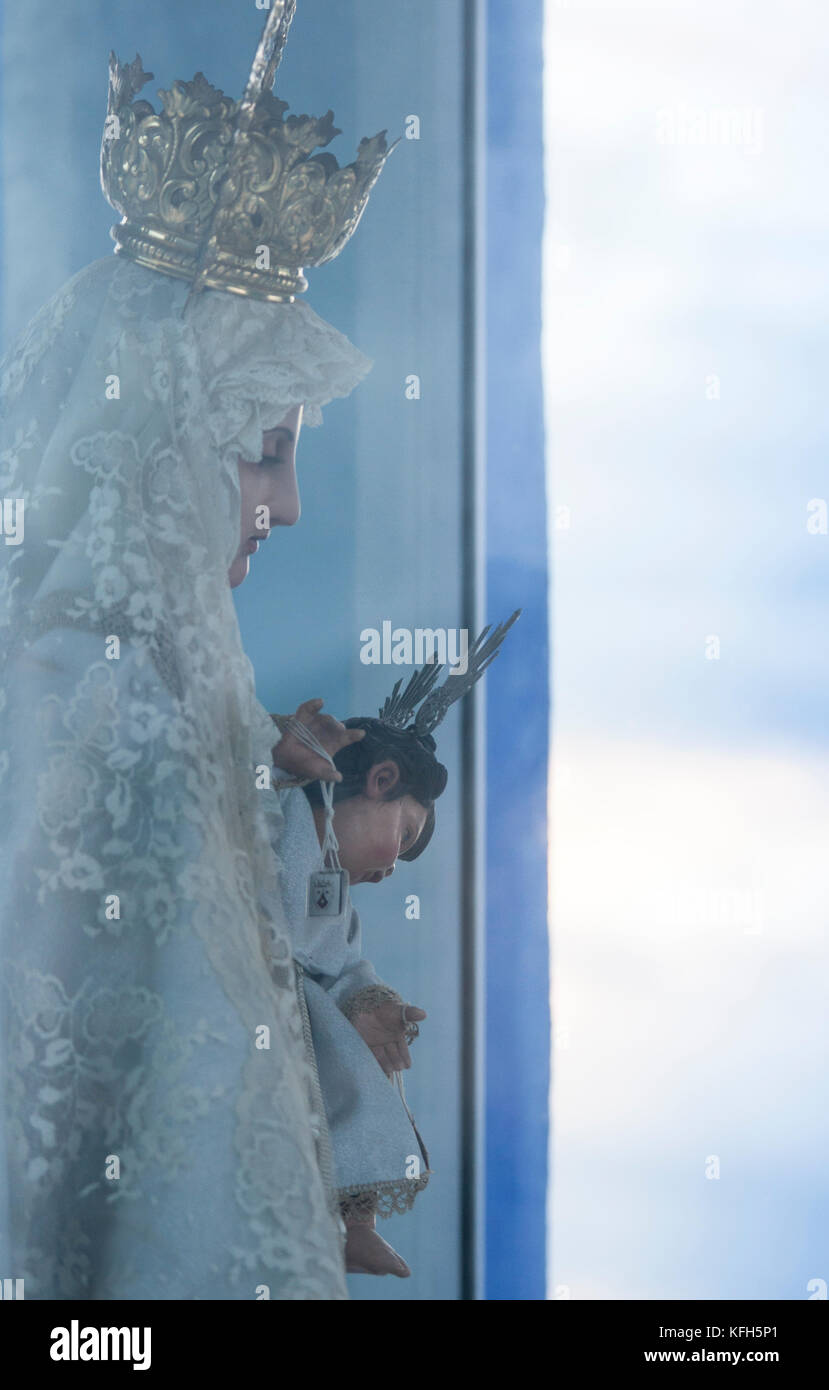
[{"x": 690, "y": 961}]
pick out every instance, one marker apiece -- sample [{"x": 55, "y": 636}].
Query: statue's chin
[{"x": 238, "y": 571}]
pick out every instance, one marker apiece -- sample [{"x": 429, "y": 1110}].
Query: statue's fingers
[
  {"x": 326, "y": 772},
  {"x": 316, "y": 766},
  {"x": 309, "y": 708},
  {"x": 414, "y": 1014},
  {"x": 330, "y": 730},
  {"x": 398, "y": 1053},
  {"x": 337, "y": 730},
  {"x": 327, "y": 722}
]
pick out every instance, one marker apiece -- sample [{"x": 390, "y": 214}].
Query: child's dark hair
[{"x": 421, "y": 775}]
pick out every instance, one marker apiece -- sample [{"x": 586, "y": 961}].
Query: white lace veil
[{"x": 160, "y": 1137}]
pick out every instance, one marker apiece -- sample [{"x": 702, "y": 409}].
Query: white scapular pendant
[
  {"x": 327, "y": 892},
  {"x": 328, "y": 885}
]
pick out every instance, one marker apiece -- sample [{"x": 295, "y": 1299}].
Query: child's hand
[
  {"x": 384, "y": 1030},
  {"x": 292, "y": 756}
]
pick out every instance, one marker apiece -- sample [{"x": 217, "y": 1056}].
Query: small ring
[{"x": 410, "y": 1030}]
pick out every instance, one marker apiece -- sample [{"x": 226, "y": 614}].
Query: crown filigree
[
  {"x": 401, "y": 706},
  {"x": 230, "y": 195}
]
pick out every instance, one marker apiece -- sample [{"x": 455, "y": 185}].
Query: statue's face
[
  {"x": 371, "y": 831},
  {"x": 270, "y": 482}
]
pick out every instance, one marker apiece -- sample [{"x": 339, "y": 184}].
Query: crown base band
[{"x": 179, "y": 257}]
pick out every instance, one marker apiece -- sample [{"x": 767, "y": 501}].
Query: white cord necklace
[{"x": 327, "y": 885}]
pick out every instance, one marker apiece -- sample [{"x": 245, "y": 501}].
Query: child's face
[{"x": 371, "y": 831}]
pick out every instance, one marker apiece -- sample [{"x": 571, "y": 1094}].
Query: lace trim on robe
[
  {"x": 368, "y": 999},
  {"x": 382, "y": 1199}
]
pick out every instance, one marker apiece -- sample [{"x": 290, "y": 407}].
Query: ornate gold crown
[{"x": 229, "y": 194}]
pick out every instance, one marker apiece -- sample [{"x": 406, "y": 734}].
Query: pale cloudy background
[{"x": 686, "y": 360}]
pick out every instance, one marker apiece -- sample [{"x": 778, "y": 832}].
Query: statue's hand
[
  {"x": 292, "y": 756},
  {"x": 384, "y": 1030}
]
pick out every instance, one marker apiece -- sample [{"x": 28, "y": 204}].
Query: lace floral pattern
[
  {"x": 367, "y": 999},
  {"x": 141, "y": 1017},
  {"x": 384, "y": 1199}
]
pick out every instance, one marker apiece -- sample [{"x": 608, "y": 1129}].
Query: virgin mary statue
[{"x": 159, "y": 1130}]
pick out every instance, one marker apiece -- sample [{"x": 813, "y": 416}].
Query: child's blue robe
[{"x": 375, "y": 1149}]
